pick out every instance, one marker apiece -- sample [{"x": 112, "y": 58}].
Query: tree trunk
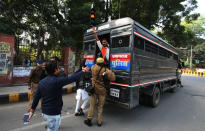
[
  {"x": 16, "y": 48},
  {"x": 41, "y": 45}
]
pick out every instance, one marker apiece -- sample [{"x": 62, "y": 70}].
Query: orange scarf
[{"x": 103, "y": 51}]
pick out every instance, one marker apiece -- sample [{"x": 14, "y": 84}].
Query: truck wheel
[{"x": 155, "y": 98}]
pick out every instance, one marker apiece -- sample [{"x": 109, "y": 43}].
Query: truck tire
[{"x": 155, "y": 98}]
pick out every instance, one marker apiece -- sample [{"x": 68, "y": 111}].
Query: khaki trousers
[
  {"x": 101, "y": 100},
  {"x": 34, "y": 87}
]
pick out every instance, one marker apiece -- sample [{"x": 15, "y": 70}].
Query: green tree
[
  {"x": 171, "y": 14},
  {"x": 199, "y": 53},
  {"x": 163, "y": 14},
  {"x": 196, "y": 39},
  {"x": 197, "y": 27},
  {"x": 65, "y": 21}
]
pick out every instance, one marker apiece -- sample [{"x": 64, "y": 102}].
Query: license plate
[{"x": 115, "y": 92}]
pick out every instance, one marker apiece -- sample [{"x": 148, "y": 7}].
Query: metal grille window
[
  {"x": 175, "y": 57},
  {"x": 121, "y": 41},
  {"x": 92, "y": 45},
  {"x": 162, "y": 52},
  {"x": 149, "y": 47},
  {"x": 139, "y": 43},
  {"x": 169, "y": 54},
  {"x": 89, "y": 46}
]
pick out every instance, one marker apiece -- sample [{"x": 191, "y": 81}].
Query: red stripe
[
  {"x": 142, "y": 83},
  {"x": 156, "y": 43},
  {"x": 119, "y": 83}
]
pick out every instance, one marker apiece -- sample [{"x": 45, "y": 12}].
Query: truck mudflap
[{"x": 126, "y": 96}]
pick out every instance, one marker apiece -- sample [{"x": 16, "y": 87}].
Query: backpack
[
  {"x": 106, "y": 80},
  {"x": 88, "y": 85}
]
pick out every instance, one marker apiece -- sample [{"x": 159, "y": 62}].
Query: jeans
[{"x": 52, "y": 121}]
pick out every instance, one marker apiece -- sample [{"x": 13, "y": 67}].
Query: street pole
[{"x": 191, "y": 58}]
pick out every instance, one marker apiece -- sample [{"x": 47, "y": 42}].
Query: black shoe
[
  {"x": 81, "y": 113},
  {"x": 88, "y": 122},
  {"x": 99, "y": 124},
  {"x": 77, "y": 114}
]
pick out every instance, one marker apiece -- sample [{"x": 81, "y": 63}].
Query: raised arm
[
  {"x": 97, "y": 39},
  {"x": 95, "y": 34}
]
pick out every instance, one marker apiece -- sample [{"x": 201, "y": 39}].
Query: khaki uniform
[
  {"x": 35, "y": 76},
  {"x": 34, "y": 87},
  {"x": 100, "y": 91}
]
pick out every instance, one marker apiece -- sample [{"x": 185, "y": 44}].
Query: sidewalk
[{"x": 17, "y": 93}]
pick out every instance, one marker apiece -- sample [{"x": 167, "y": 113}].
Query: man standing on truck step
[
  {"x": 179, "y": 73},
  {"x": 105, "y": 51}
]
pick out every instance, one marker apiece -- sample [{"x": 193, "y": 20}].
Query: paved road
[{"x": 180, "y": 111}]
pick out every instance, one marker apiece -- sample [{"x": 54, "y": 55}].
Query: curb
[
  {"x": 190, "y": 73},
  {"x": 10, "y": 85},
  {"x": 20, "y": 97}
]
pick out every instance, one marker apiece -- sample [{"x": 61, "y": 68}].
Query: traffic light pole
[
  {"x": 191, "y": 58},
  {"x": 92, "y": 16}
]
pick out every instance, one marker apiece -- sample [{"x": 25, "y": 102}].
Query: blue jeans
[{"x": 52, "y": 121}]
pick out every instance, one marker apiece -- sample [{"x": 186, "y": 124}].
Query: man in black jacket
[
  {"x": 81, "y": 94},
  {"x": 50, "y": 90}
]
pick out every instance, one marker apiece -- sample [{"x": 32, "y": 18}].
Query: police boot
[
  {"x": 99, "y": 124},
  {"x": 88, "y": 122}
]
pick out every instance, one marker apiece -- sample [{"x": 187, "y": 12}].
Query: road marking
[
  {"x": 38, "y": 124},
  {"x": 43, "y": 123}
]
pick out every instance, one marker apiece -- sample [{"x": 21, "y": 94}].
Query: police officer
[
  {"x": 36, "y": 74},
  {"x": 99, "y": 72},
  {"x": 179, "y": 71}
]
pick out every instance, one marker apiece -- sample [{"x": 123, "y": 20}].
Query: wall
[
  {"x": 6, "y": 58},
  {"x": 69, "y": 60}
]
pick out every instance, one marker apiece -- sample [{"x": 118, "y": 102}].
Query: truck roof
[
  {"x": 112, "y": 24},
  {"x": 123, "y": 22}
]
